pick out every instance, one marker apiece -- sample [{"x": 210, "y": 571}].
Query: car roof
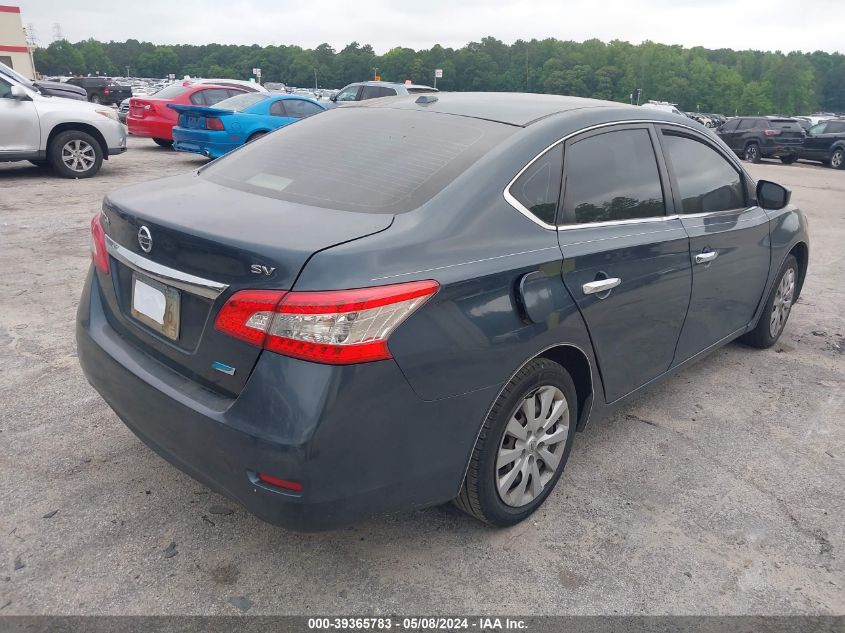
[
  {"x": 392, "y": 84},
  {"x": 512, "y": 108}
]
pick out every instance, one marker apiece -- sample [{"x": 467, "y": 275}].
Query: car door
[
  {"x": 729, "y": 239},
  {"x": 727, "y": 131},
  {"x": 19, "y": 127},
  {"x": 816, "y": 142},
  {"x": 741, "y": 135},
  {"x": 626, "y": 255}
]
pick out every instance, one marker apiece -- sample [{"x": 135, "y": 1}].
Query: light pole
[
  {"x": 315, "y": 79},
  {"x": 375, "y": 74},
  {"x": 639, "y": 93}
]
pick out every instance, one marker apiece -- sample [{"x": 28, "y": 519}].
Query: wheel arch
[
  {"x": 801, "y": 252},
  {"x": 574, "y": 360},
  {"x": 81, "y": 127}
]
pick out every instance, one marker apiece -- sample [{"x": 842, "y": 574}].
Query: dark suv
[
  {"x": 825, "y": 142},
  {"x": 755, "y": 138},
  {"x": 102, "y": 89}
]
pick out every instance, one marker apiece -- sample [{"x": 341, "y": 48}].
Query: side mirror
[
  {"x": 772, "y": 196},
  {"x": 19, "y": 93},
  {"x": 333, "y": 98}
]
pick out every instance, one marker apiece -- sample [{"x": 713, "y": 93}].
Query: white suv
[{"x": 73, "y": 137}]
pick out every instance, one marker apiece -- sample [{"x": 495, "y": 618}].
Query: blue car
[{"x": 214, "y": 131}]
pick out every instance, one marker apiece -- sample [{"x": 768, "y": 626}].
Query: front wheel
[
  {"x": 837, "y": 159},
  {"x": 752, "y": 153},
  {"x": 163, "y": 142},
  {"x": 522, "y": 447},
  {"x": 75, "y": 154},
  {"x": 777, "y": 308}
]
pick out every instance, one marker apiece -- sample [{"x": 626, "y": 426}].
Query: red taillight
[
  {"x": 105, "y": 91},
  {"x": 213, "y": 123},
  {"x": 99, "y": 255},
  {"x": 337, "y": 327},
  {"x": 284, "y": 484},
  {"x": 771, "y": 132}
]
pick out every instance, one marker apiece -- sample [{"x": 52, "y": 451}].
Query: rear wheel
[
  {"x": 837, "y": 159},
  {"x": 788, "y": 160},
  {"x": 255, "y": 137},
  {"x": 522, "y": 447},
  {"x": 163, "y": 142},
  {"x": 95, "y": 98},
  {"x": 75, "y": 154},
  {"x": 752, "y": 153},
  {"x": 777, "y": 308}
]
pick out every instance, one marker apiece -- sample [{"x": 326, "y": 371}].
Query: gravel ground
[{"x": 718, "y": 492}]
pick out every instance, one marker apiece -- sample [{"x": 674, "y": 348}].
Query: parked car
[
  {"x": 216, "y": 130},
  {"x": 42, "y": 86},
  {"x": 825, "y": 142},
  {"x": 71, "y": 136},
  {"x": 755, "y": 138},
  {"x": 249, "y": 86},
  {"x": 150, "y": 116},
  {"x": 102, "y": 89},
  {"x": 663, "y": 106},
  {"x": 362, "y": 90},
  {"x": 123, "y": 110},
  {"x": 391, "y": 305}
]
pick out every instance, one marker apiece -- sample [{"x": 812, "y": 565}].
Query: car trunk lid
[
  {"x": 221, "y": 241},
  {"x": 194, "y": 117}
]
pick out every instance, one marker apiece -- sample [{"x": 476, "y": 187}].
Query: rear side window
[
  {"x": 5, "y": 89},
  {"x": 835, "y": 128},
  {"x": 706, "y": 180},
  {"x": 241, "y": 101},
  {"x": 371, "y": 92},
  {"x": 210, "y": 96},
  {"x": 785, "y": 125},
  {"x": 612, "y": 176},
  {"x": 538, "y": 188},
  {"x": 371, "y": 160}
]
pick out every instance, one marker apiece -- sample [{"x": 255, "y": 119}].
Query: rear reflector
[
  {"x": 284, "y": 484},
  {"x": 337, "y": 327},
  {"x": 213, "y": 123},
  {"x": 99, "y": 255}
]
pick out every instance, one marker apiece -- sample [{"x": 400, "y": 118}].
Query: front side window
[
  {"x": 730, "y": 126},
  {"x": 745, "y": 124},
  {"x": 817, "y": 129},
  {"x": 538, "y": 187},
  {"x": 300, "y": 109},
  {"x": 5, "y": 89},
  {"x": 706, "y": 180},
  {"x": 612, "y": 176},
  {"x": 348, "y": 94}
]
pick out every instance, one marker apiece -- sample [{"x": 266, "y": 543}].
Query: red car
[{"x": 150, "y": 116}]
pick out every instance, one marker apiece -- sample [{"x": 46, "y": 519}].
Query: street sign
[{"x": 438, "y": 73}]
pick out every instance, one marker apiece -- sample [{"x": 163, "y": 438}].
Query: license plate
[{"x": 156, "y": 306}]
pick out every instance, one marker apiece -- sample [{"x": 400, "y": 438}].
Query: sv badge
[{"x": 258, "y": 269}]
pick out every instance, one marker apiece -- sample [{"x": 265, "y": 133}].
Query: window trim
[{"x": 512, "y": 201}]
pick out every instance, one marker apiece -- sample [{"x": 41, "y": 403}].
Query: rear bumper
[
  {"x": 208, "y": 143},
  {"x": 357, "y": 437},
  {"x": 776, "y": 150},
  {"x": 150, "y": 127}
]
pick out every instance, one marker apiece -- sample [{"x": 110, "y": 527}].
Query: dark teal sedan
[
  {"x": 420, "y": 299},
  {"x": 216, "y": 130}
]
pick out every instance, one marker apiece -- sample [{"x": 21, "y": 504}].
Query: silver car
[{"x": 72, "y": 137}]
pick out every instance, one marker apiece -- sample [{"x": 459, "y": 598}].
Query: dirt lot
[{"x": 720, "y": 491}]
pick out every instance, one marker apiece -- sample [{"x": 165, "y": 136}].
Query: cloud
[{"x": 420, "y": 24}]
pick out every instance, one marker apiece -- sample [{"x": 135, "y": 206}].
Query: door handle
[
  {"x": 705, "y": 258},
  {"x": 602, "y": 285}
]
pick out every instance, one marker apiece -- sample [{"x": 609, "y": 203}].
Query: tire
[
  {"x": 255, "y": 137},
  {"x": 776, "y": 310},
  {"x": 752, "y": 153},
  {"x": 95, "y": 98},
  {"x": 788, "y": 160},
  {"x": 531, "y": 388},
  {"x": 163, "y": 142},
  {"x": 43, "y": 164},
  {"x": 75, "y": 154},
  {"x": 837, "y": 159}
]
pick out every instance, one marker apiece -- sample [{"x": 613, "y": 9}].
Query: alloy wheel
[
  {"x": 78, "y": 155},
  {"x": 836, "y": 159},
  {"x": 532, "y": 446},
  {"x": 782, "y": 303},
  {"x": 751, "y": 152}
]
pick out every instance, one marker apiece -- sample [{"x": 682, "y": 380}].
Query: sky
[{"x": 740, "y": 24}]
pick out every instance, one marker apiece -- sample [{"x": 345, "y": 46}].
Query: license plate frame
[{"x": 146, "y": 305}]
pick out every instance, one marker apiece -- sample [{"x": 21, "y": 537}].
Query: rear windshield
[
  {"x": 172, "y": 91},
  {"x": 374, "y": 160},
  {"x": 240, "y": 103},
  {"x": 785, "y": 124}
]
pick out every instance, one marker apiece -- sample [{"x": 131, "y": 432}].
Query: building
[{"x": 13, "y": 49}]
